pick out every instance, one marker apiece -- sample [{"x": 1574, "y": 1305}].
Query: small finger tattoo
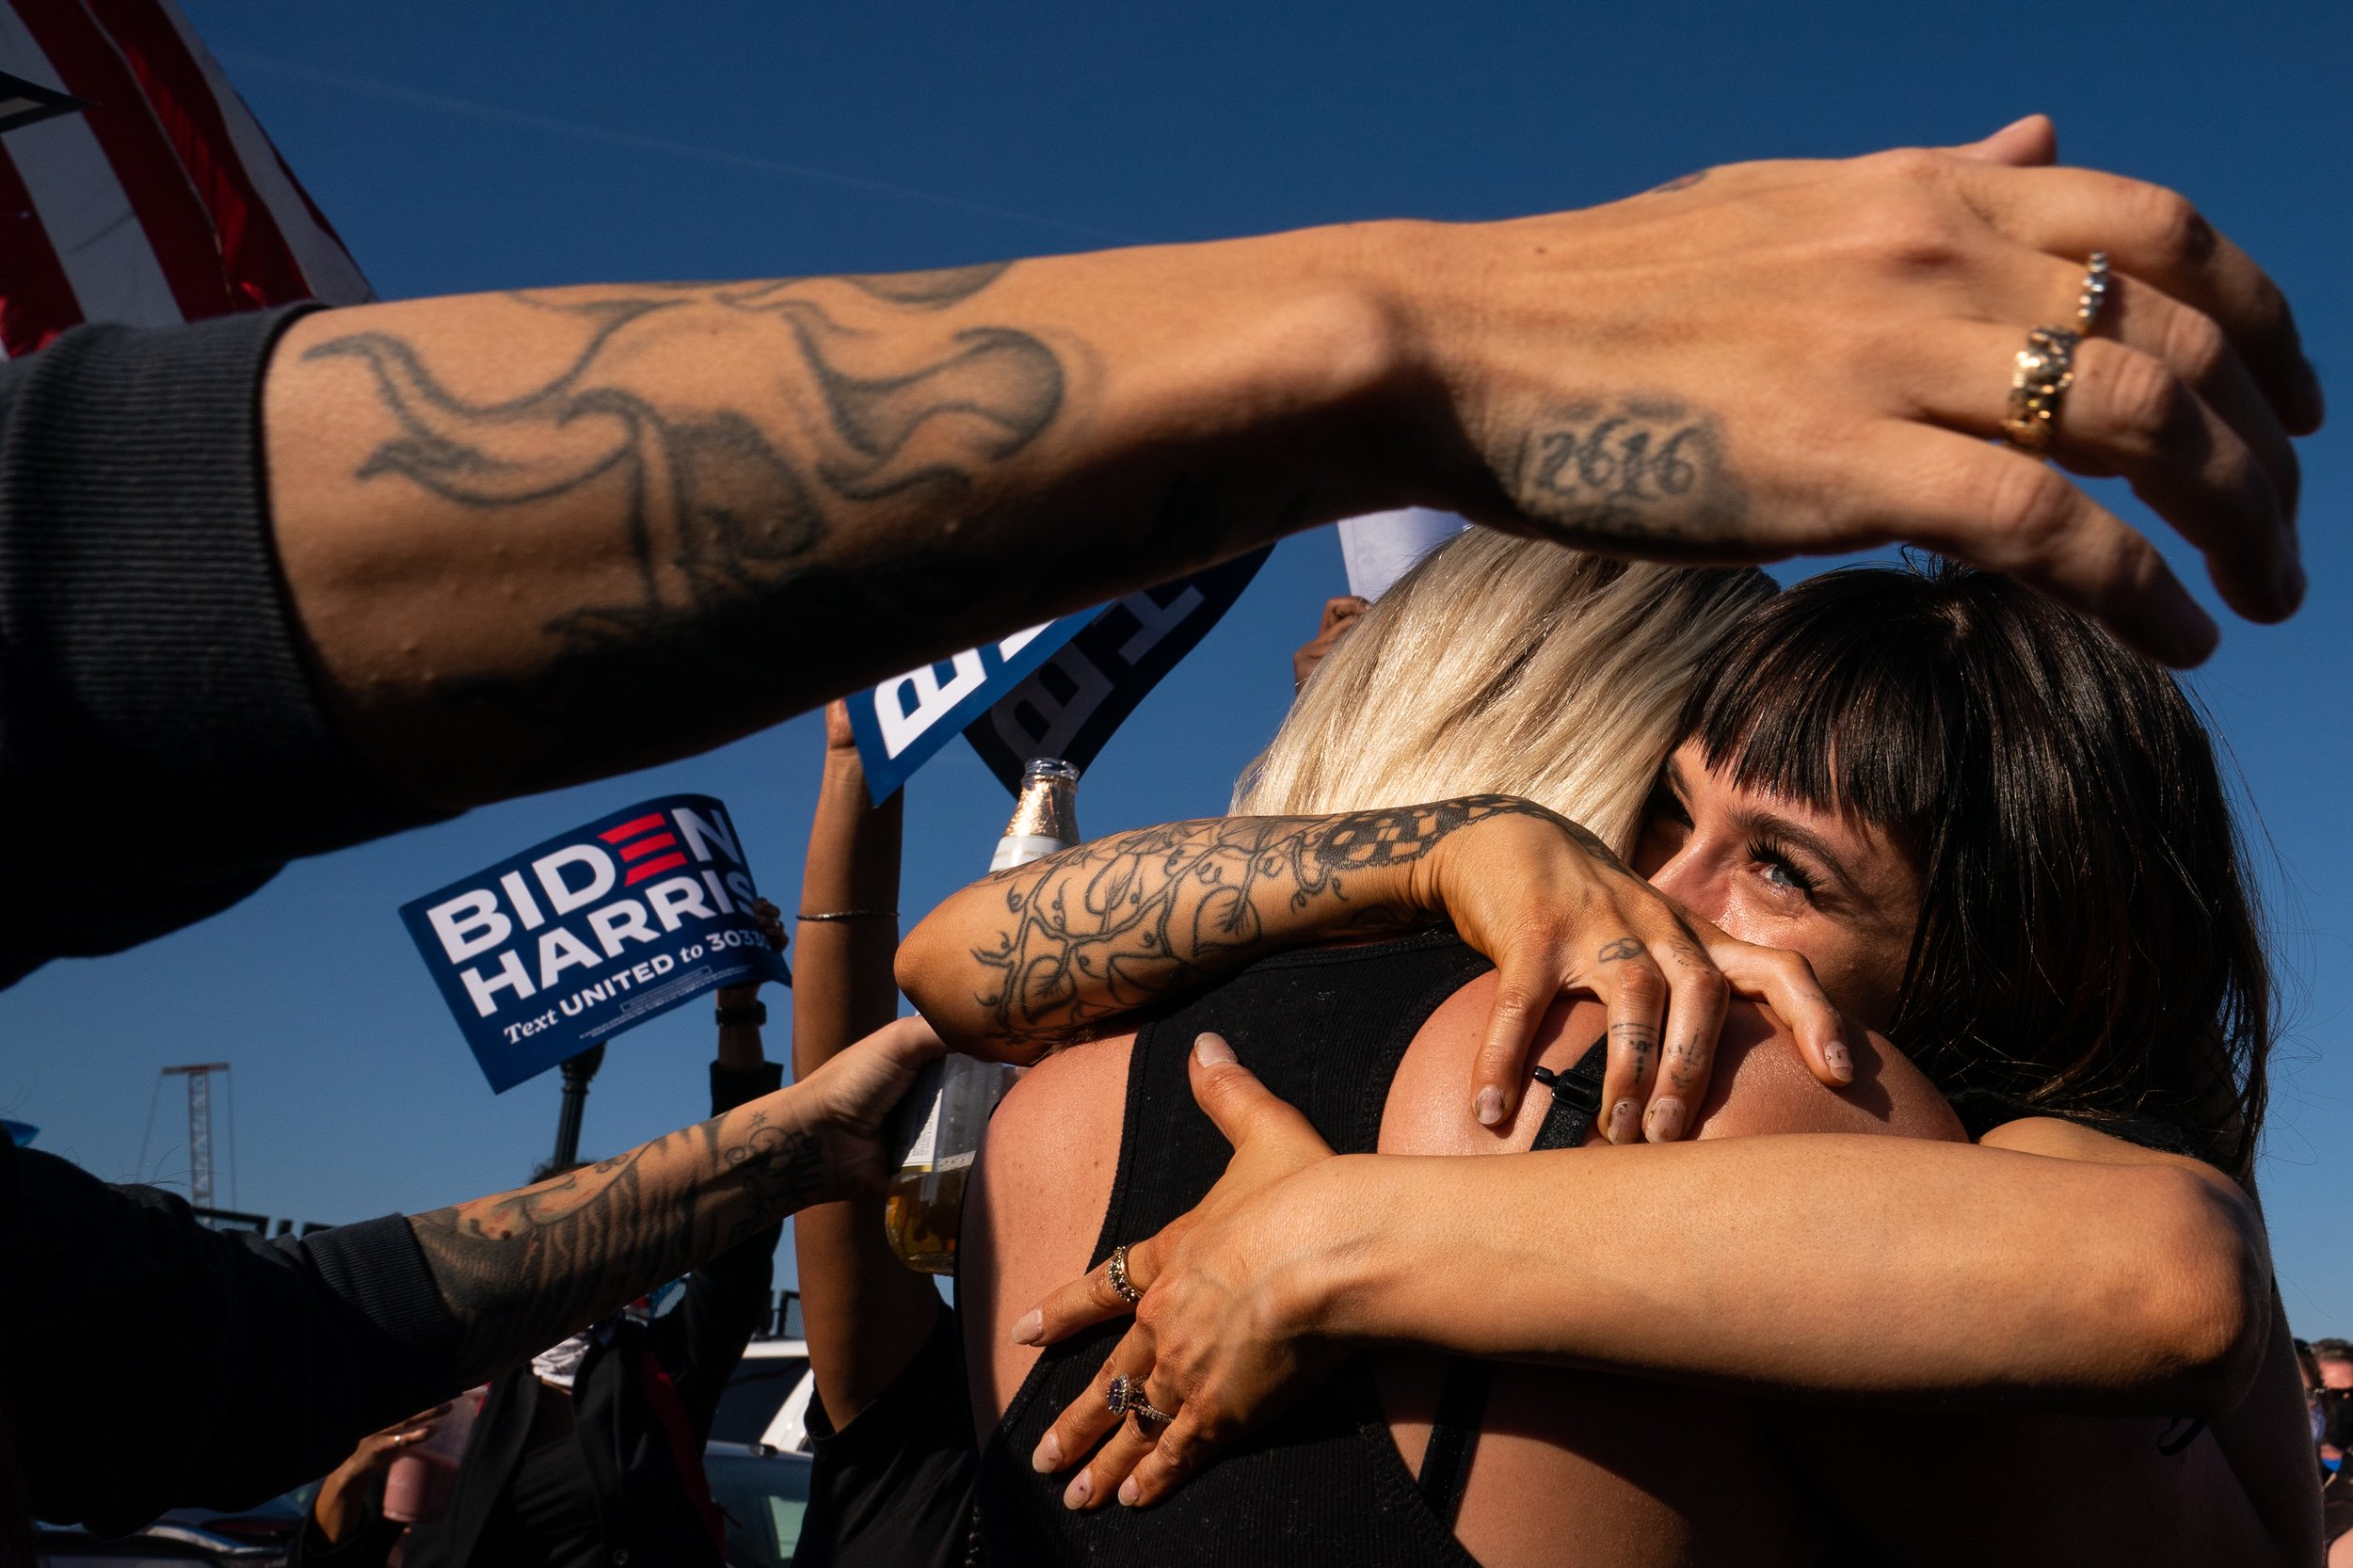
[{"x": 1621, "y": 949}]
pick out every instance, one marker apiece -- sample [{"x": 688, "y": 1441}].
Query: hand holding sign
[{"x": 590, "y": 934}]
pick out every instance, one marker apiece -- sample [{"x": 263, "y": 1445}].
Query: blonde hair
[{"x": 1504, "y": 665}]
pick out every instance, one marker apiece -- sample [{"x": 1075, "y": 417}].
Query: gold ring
[
  {"x": 2045, "y": 369},
  {"x": 1117, "y": 1271},
  {"x": 2093, "y": 295}
]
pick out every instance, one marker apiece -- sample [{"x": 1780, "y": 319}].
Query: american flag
[{"x": 136, "y": 186}]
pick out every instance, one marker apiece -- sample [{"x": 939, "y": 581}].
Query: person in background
[
  {"x": 2331, "y": 1413},
  {"x": 881, "y": 1340},
  {"x": 2333, "y": 1358},
  {"x": 590, "y": 1455},
  {"x": 1339, "y": 616}
]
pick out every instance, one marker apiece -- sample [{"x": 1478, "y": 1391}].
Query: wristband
[
  {"x": 851, "y": 915},
  {"x": 753, "y": 1014}
]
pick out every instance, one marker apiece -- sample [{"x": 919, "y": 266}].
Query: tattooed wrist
[
  {"x": 1646, "y": 473},
  {"x": 518, "y": 1270},
  {"x": 1119, "y": 924}
]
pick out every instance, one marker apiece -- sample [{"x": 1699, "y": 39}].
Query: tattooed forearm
[
  {"x": 519, "y": 1271},
  {"x": 741, "y": 438},
  {"x": 1121, "y": 923}
]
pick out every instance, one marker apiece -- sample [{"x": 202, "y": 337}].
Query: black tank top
[{"x": 1323, "y": 1484}]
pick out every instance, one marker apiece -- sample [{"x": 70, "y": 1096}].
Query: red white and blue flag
[{"x": 136, "y": 186}]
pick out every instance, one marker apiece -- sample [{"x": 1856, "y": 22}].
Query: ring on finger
[
  {"x": 2046, "y": 368},
  {"x": 1117, "y": 1271},
  {"x": 1126, "y": 1398},
  {"x": 2093, "y": 295}
]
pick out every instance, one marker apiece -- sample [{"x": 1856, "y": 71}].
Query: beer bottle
[{"x": 951, "y": 1102}]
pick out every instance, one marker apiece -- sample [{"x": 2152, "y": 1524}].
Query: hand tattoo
[
  {"x": 1118, "y": 925},
  {"x": 1620, "y": 951},
  {"x": 519, "y": 1271},
  {"x": 1642, "y": 1039},
  {"x": 1645, "y": 474}
]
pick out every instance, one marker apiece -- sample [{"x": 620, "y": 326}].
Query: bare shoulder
[
  {"x": 1038, "y": 1192},
  {"x": 1761, "y": 1084}
]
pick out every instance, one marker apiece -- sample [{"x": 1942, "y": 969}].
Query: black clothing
[
  {"x": 614, "y": 1492},
  {"x": 1324, "y": 1029},
  {"x": 153, "y": 1363},
  {"x": 893, "y": 1489},
  {"x": 157, "y": 715},
  {"x": 546, "y": 1514}
]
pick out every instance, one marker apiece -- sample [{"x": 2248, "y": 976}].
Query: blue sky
[{"x": 470, "y": 147}]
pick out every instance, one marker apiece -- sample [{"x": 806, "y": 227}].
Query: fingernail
[
  {"x": 1030, "y": 1329},
  {"x": 1211, "y": 1050},
  {"x": 1665, "y": 1123},
  {"x": 1048, "y": 1459},
  {"x": 1490, "y": 1107},
  {"x": 1622, "y": 1122},
  {"x": 1841, "y": 1063},
  {"x": 1077, "y": 1494},
  {"x": 1130, "y": 1491}
]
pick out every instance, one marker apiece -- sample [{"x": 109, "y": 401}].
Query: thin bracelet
[
  {"x": 751, "y": 1014},
  {"x": 851, "y": 915}
]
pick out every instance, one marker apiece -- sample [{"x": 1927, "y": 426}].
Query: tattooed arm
[
  {"x": 1031, "y": 958},
  {"x": 505, "y": 520},
  {"x": 520, "y": 1270}
]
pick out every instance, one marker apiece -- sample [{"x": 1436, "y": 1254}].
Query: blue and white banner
[
  {"x": 1078, "y": 698},
  {"x": 1131, "y": 642},
  {"x": 900, "y": 722},
  {"x": 592, "y": 933}
]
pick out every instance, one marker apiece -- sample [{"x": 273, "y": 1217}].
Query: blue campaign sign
[
  {"x": 900, "y": 722},
  {"x": 1076, "y": 700},
  {"x": 592, "y": 933}
]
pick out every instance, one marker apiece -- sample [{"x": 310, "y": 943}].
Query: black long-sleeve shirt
[{"x": 163, "y": 752}]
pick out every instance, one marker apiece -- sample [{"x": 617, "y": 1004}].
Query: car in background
[{"x": 766, "y": 1402}]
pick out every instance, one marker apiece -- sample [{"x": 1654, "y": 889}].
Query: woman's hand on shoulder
[
  {"x": 1557, "y": 910},
  {"x": 1216, "y": 1344}
]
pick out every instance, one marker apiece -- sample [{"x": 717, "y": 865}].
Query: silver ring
[
  {"x": 1126, "y": 1396},
  {"x": 2093, "y": 295},
  {"x": 1116, "y": 1271}
]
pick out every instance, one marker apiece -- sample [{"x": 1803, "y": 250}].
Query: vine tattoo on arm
[
  {"x": 1111, "y": 926},
  {"x": 520, "y": 1270}
]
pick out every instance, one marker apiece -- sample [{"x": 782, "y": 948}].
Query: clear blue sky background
[{"x": 463, "y": 147}]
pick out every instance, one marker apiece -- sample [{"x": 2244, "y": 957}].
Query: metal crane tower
[{"x": 200, "y": 1076}]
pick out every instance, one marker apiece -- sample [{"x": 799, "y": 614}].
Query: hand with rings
[{"x": 1158, "y": 1407}]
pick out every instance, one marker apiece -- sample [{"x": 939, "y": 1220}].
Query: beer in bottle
[{"x": 951, "y": 1103}]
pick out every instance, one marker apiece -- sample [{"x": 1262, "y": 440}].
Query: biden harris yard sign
[{"x": 592, "y": 933}]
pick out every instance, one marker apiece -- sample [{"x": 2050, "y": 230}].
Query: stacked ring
[
  {"x": 2045, "y": 369},
  {"x": 1126, "y": 1397},
  {"x": 1117, "y": 1271},
  {"x": 2093, "y": 295}
]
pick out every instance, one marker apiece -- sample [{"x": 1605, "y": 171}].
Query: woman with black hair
[{"x": 2000, "y": 840}]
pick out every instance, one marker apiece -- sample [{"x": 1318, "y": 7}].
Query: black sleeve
[
  {"x": 369, "y": 1546},
  {"x": 156, "y": 715},
  {"x": 152, "y": 1363},
  {"x": 701, "y": 1339},
  {"x": 894, "y": 1488},
  {"x": 1983, "y": 1110}
]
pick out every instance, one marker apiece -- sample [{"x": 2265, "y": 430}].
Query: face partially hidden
[{"x": 1775, "y": 872}]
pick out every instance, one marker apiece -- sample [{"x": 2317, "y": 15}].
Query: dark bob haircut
[{"x": 2086, "y": 945}]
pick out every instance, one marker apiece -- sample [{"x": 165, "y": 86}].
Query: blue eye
[{"x": 1780, "y": 870}]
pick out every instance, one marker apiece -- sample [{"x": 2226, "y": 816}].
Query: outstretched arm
[
  {"x": 712, "y": 505},
  {"x": 518, "y": 1270},
  {"x": 864, "y": 1313}
]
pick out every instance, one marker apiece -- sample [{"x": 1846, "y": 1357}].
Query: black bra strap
[
  {"x": 1463, "y": 1403},
  {"x": 1455, "y": 1436},
  {"x": 1575, "y": 1099}
]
